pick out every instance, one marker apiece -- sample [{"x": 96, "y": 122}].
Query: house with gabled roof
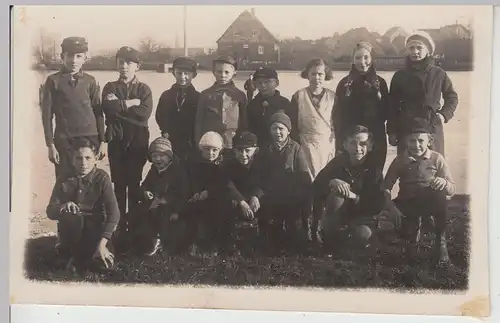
[{"x": 249, "y": 41}]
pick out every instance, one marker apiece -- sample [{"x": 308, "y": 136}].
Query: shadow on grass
[{"x": 311, "y": 269}]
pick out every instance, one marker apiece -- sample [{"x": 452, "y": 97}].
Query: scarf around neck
[{"x": 368, "y": 80}]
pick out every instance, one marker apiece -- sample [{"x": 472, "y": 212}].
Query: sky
[{"x": 109, "y": 27}]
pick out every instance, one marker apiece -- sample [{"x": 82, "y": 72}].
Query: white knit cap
[
  {"x": 422, "y": 37},
  {"x": 211, "y": 139}
]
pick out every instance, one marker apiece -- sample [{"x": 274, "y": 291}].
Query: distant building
[
  {"x": 193, "y": 51},
  {"x": 249, "y": 41}
]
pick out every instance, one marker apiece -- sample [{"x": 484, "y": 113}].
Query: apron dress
[{"x": 316, "y": 134}]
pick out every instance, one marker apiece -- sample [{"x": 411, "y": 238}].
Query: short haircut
[
  {"x": 80, "y": 143},
  {"x": 317, "y": 62},
  {"x": 356, "y": 130}
]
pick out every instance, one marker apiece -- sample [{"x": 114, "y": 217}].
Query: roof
[{"x": 244, "y": 25}]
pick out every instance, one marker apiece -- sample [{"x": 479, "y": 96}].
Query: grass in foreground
[{"x": 312, "y": 269}]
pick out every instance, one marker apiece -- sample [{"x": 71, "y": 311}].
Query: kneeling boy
[
  {"x": 85, "y": 207},
  {"x": 424, "y": 183},
  {"x": 350, "y": 190},
  {"x": 163, "y": 193}
]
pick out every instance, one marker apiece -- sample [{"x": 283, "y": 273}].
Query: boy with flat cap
[
  {"x": 73, "y": 97},
  {"x": 128, "y": 105},
  {"x": 222, "y": 107},
  {"x": 176, "y": 108},
  {"x": 266, "y": 103}
]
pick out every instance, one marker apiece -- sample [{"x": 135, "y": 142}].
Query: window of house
[
  {"x": 245, "y": 45},
  {"x": 255, "y": 33},
  {"x": 261, "y": 50},
  {"x": 236, "y": 33}
]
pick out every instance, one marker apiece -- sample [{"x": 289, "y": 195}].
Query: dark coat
[
  {"x": 416, "y": 92},
  {"x": 363, "y": 100},
  {"x": 285, "y": 177},
  {"x": 203, "y": 175},
  {"x": 260, "y": 110},
  {"x": 175, "y": 116},
  {"x": 240, "y": 182}
]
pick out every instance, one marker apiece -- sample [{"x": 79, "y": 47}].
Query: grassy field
[{"x": 353, "y": 269}]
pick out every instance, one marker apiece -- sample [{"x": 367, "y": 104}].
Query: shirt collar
[
  {"x": 65, "y": 72},
  {"x": 410, "y": 159},
  {"x": 135, "y": 80},
  {"x": 280, "y": 146},
  {"x": 87, "y": 178}
]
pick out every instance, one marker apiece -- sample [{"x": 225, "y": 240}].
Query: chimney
[{"x": 252, "y": 11}]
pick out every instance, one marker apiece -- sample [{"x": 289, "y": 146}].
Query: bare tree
[
  {"x": 44, "y": 48},
  {"x": 149, "y": 45}
]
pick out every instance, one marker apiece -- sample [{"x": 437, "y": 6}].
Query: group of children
[{"x": 222, "y": 157}]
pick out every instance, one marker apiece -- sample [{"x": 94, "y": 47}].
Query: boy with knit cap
[
  {"x": 162, "y": 194},
  {"x": 424, "y": 183},
  {"x": 204, "y": 171},
  {"x": 222, "y": 107},
  {"x": 73, "y": 98},
  {"x": 267, "y": 102},
  {"x": 285, "y": 185},
  {"x": 416, "y": 92},
  {"x": 127, "y": 104},
  {"x": 176, "y": 108}
]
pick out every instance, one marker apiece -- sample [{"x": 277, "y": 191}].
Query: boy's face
[
  {"x": 127, "y": 68},
  {"x": 266, "y": 86},
  {"x": 84, "y": 160},
  {"x": 183, "y": 77},
  {"x": 73, "y": 62},
  {"x": 416, "y": 50},
  {"x": 160, "y": 160},
  {"x": 316, "y": 76},
  {"x": 210, "y": 153},
  {"x": 279, "y": 132},
  {"x": 418, "y": 143},
  {"x": 358, "y": 146},
  {"x": 244, "y": 155},
  {"x": 362, "y": 60},
  {"x": 224, "y": 72}
]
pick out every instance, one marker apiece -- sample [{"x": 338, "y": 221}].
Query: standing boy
[
  {"x": 347, "y": 192},
  {"x": 285, "y": 183},
  {"x": 424, "y": 183},
  {"x": 416, "y": 92},
  {"x": 267, "y": 102},
  {"x": 176, "y": 109},
  {"x": 222, "y": 107},
  {"x": 85, "y": 207},
  {"x": 128, "y": 104},
  {"x": 73, "y": 97}
]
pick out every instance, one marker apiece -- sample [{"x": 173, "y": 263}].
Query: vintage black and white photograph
[{"x": 288, "y": 153}]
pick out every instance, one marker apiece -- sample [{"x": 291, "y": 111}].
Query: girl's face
[
  {"x": 416, "y": 50},
  {"x": 358, "y": 146},
  {"x": 84, "y": 161},
  {"x": 210, "y": 153},
  {"x": 160, "y": 160},
  {"x": 279, "y": 132},
  {"x": 266, "y": 86},
  {"x": 127, "y": 68},
  {"x": 183, "y": 77},
  {"x": 224, "y": 72},
  {"x": 317, "y": 75},
  {"x": 73, "y": 62},
  {"x": 418, "y": 143},
  {"x": 244, "y": 155},
  {"x": 362, "y": 60}
]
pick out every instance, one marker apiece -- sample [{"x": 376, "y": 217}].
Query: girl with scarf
[
  {"x": 416, "y": 92},
  {"x": 312, "y": 112},
  {"x": 362, "y": 99}
]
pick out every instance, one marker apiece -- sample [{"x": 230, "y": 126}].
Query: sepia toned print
[{"x": 254, "y": 163}]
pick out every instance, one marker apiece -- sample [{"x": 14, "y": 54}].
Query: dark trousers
[
  {"x": 63, "y": 146},
  {"x": 126, "y": 163},
  {"x": 203, "y": 220},
  {"x": 80, "y": 239},
  {"x": 428, "y": 203},
  {"x": 147, "y": 225},
  {"x": 280, "y": 223}
]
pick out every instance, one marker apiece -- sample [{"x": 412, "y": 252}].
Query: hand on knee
[{"x": 364, "y": 232}]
